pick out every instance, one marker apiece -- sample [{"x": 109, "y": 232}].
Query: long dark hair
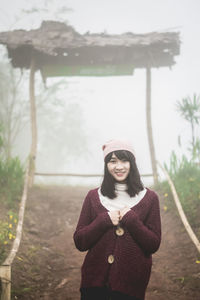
[{"x": 133, "y": 181}]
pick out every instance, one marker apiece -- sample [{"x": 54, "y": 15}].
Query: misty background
[{"x": 77, "y": 115}]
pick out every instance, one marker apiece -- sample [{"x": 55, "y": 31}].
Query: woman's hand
[
  {"x": 123, "y": 211},
  {"x": 115, "y": 216}
]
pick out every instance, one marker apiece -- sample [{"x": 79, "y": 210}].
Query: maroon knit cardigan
[{"x": 130, "y": 271}]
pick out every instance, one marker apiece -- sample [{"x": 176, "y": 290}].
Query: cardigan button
[
  {"x": 111, "y": 259},
  {"x": 119, "y": 231}
]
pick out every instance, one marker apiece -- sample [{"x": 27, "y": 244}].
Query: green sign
[{"x": 107, "y": 70}]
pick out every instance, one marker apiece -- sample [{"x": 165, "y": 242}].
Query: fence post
[{"x": 5, "y": 277}]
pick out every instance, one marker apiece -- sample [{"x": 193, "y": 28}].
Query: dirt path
[{"x": 47, "y": 266}]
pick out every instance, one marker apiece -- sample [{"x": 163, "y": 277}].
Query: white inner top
[{"x": 123, "y": 199}]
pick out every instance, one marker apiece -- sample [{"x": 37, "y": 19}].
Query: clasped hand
[{"x": 117, "y": 215}]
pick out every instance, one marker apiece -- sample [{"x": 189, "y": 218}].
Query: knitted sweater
[{"x": 121, "y": 261}]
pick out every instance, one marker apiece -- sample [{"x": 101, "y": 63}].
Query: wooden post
[
  {"x": 149, "y": 124},
  {"x": 5, "y": 276},
  {"x": 33, "y": 151}
]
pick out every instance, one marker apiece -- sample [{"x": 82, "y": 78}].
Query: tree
[
  {"x": 14, "y": 107},
  {"x": 60, "y": 127}
]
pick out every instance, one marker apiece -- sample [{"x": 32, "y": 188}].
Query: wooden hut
[{"x": 56, "y": 49}]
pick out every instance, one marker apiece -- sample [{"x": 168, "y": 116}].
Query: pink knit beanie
[{"x": 115, "y": 145}]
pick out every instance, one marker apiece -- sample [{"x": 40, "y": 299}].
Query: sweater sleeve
[
  {"x": 148, "y": 234},
  {"x": 89, "y": 230}
]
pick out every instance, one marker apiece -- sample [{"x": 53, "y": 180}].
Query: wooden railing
[{"x": 79, "y": 175}]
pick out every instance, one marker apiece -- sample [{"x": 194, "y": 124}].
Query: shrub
[
  {"x": 7, "y": 233},
  {"x": 11, "y": 180},
  {"x": 185, "y": 175}
]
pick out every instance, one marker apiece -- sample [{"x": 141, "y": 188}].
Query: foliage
[
  {"x": 185, "y": 175},
  {"x": 61, "y": 127},
  {"x": 47, "y": 10},
  {"x": 37, "y": 11},
  {"x": 50, "y": 102},
  {"x": 11, "y": 177},
  {"x": 176, "y": 164},
  {"x": 11, "y": 183},
  {"x": 189, "y": 109},
  {"x": 14, "y": 106},
  {"x": 11, "y": 180},
  {"x": 184, "y": 171},
  {"x": 7, "y": 233}
]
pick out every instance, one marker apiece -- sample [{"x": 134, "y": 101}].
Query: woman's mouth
[{"x": 119, "y": 174}]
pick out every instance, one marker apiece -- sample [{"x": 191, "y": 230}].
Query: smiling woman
[
  {"x": 120, "y": 166},
  {"x": 119, "y": 169},
  {"x": 120, "y": 227}
]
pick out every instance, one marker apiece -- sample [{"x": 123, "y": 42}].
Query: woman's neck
[{"x": 120, "y": 186}]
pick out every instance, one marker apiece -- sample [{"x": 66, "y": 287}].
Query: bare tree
[{"x": 13, "y": 104}]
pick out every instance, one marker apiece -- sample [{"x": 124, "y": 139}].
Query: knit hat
[{"x": 115, "y": 145}]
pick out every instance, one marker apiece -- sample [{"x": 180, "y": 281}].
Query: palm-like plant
[{"x": 189, "y": 108}]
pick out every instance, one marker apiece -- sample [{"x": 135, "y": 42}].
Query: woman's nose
[{"x": 119, "y": 165}]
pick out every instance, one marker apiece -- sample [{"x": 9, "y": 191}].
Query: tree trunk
[{"x": 33, "y": 122}]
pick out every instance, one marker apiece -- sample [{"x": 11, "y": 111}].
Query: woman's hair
[{"x": 133, "y": 181}]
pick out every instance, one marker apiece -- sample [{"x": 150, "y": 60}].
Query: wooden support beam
[
  {"x": 5, "y": 277},
  {"x": 33, "y": 151},
  {"x": 149, "y": 124}
]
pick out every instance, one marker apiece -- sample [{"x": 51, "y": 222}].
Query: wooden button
[
  {"x": 119, "y": 231},
  {"x": 111, "y": 259}
]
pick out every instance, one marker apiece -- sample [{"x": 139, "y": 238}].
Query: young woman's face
[{"x": 119, "y": 169}]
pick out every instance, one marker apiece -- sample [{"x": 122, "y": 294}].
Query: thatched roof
[{"x": 59, "y": 45}]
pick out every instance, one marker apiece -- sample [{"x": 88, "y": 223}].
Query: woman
[{"x": 120, "y": 227}]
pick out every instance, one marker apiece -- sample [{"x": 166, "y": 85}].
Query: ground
[{"x": 47, "y": 266}]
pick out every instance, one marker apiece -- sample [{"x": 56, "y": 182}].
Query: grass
[{"x": 186, "y": 178}]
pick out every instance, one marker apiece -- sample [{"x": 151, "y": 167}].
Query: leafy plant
[
  {"x": 176, "y": 164},
  {"x": 189, "y": 109},
  {"x": 7, "y": 233},
  {"x": 11, "y": 180},
  {"x": 185, "y": 175}
]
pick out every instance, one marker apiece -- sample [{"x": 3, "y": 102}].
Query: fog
[{"x": 114, "y": 107}]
